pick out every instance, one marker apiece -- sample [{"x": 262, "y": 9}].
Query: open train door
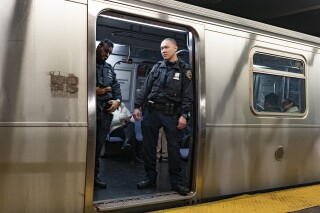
[{"x": 137, "y": 32}]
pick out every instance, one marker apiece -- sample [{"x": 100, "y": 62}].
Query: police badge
[{"x": 189, "y": 74}]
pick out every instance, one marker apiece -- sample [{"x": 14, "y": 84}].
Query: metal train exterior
[{"x": 47, "y": 117}]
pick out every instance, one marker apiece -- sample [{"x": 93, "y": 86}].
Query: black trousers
[
  {"x": 150, "y": 125},
  {"x": 103, "y": 127}
]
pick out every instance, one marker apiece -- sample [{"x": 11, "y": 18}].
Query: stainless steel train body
[{"x": 47, "y": 117}]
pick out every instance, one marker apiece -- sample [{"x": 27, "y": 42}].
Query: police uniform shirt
[
  {"x": 170, "y": 82},
  {"x": 106, "y": 77}
]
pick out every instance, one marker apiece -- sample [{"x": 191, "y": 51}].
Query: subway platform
[{"x": 304, "y": 199}]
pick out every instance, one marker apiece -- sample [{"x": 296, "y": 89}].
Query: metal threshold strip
[{"x": 135, "y": 201}]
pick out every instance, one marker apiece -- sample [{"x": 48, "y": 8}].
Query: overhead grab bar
[{"x": 130, "y": 61}]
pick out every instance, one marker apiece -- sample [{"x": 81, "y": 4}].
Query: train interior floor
[{"x": 122, "y": 175}]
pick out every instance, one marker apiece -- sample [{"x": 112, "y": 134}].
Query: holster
[
  {"x": 103, "y": 106},
  {"x": 169, "y": 109},
  {"x": 150, "y": 105}
]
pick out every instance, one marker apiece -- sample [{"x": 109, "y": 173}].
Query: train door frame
[{"x": 95, "y": 8}]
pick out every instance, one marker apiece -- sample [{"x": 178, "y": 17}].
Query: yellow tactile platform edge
[{"x": 272, "y": 202}]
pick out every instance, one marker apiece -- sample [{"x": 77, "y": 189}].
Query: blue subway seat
[{"x": 114, "y": 139}]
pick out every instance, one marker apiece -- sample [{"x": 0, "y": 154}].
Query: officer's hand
[
  {"x": 114, "y": 105},
  {"x": 136, "y": 114},
  {"x": 182, "y": 122},
  {"x": 103, "y": 90}
]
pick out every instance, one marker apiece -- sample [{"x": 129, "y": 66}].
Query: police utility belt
[{"x": 167, "y": 108}]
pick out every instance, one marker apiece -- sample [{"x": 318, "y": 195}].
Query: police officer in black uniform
[
  {"x": 108, "y": 100},
  {"x": 167, "y": 95}
]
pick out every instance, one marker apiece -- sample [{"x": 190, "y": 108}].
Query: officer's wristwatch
[{"x": 118, "y": 101}]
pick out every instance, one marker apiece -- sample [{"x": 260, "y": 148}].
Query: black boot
[
  {"x": 182, "y": 190},
  {"x": 99, "y": 183},
  {"x": 147, "y": 183}
]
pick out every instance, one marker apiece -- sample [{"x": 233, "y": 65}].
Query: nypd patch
[{"x": 189, "y": 74}]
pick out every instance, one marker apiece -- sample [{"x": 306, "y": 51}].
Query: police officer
[
  {"x": 167, "y": 96},
  {"x": 108, "y": 100}
]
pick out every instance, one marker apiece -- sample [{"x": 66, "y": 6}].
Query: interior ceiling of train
[
  {"x": 136, "y": 34},
  {"x": 135, "y": 38},
  {"x": 298, "y": 15}
]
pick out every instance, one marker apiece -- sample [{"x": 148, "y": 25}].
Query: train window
[
  {"x": 278, "y": 84},
  {"x": 273, "y": 62}
]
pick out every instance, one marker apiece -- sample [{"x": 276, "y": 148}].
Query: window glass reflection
[{"x": 273, "y": 62}]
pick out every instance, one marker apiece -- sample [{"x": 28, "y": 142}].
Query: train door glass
[
  {"x": 136, "y": 50},
  {"x": 279, "y": 84}
]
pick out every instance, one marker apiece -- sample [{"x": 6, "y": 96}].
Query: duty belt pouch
[{"x": 169, "y": 109}]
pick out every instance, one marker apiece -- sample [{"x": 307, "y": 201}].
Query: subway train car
[{"x": 253, "y": 127}]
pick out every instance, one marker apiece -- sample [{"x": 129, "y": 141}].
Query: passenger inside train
[
  {"x": 271, "y": 103},
  {"x": 123, "y": 127},
  {"x": 285, "y": 80},
  {"x": 162, "y": 149},
  {"x": 289, "y": 105}
]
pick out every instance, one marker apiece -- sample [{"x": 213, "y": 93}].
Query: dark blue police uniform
[
  {"x": 167, "y": 93},
  {"x": 106, "y": 77}
]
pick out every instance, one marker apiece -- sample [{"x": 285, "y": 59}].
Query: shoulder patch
[{"x": 189, "y": 74}]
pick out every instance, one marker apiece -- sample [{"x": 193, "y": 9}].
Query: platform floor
[{"x": 296, "y": 200}]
